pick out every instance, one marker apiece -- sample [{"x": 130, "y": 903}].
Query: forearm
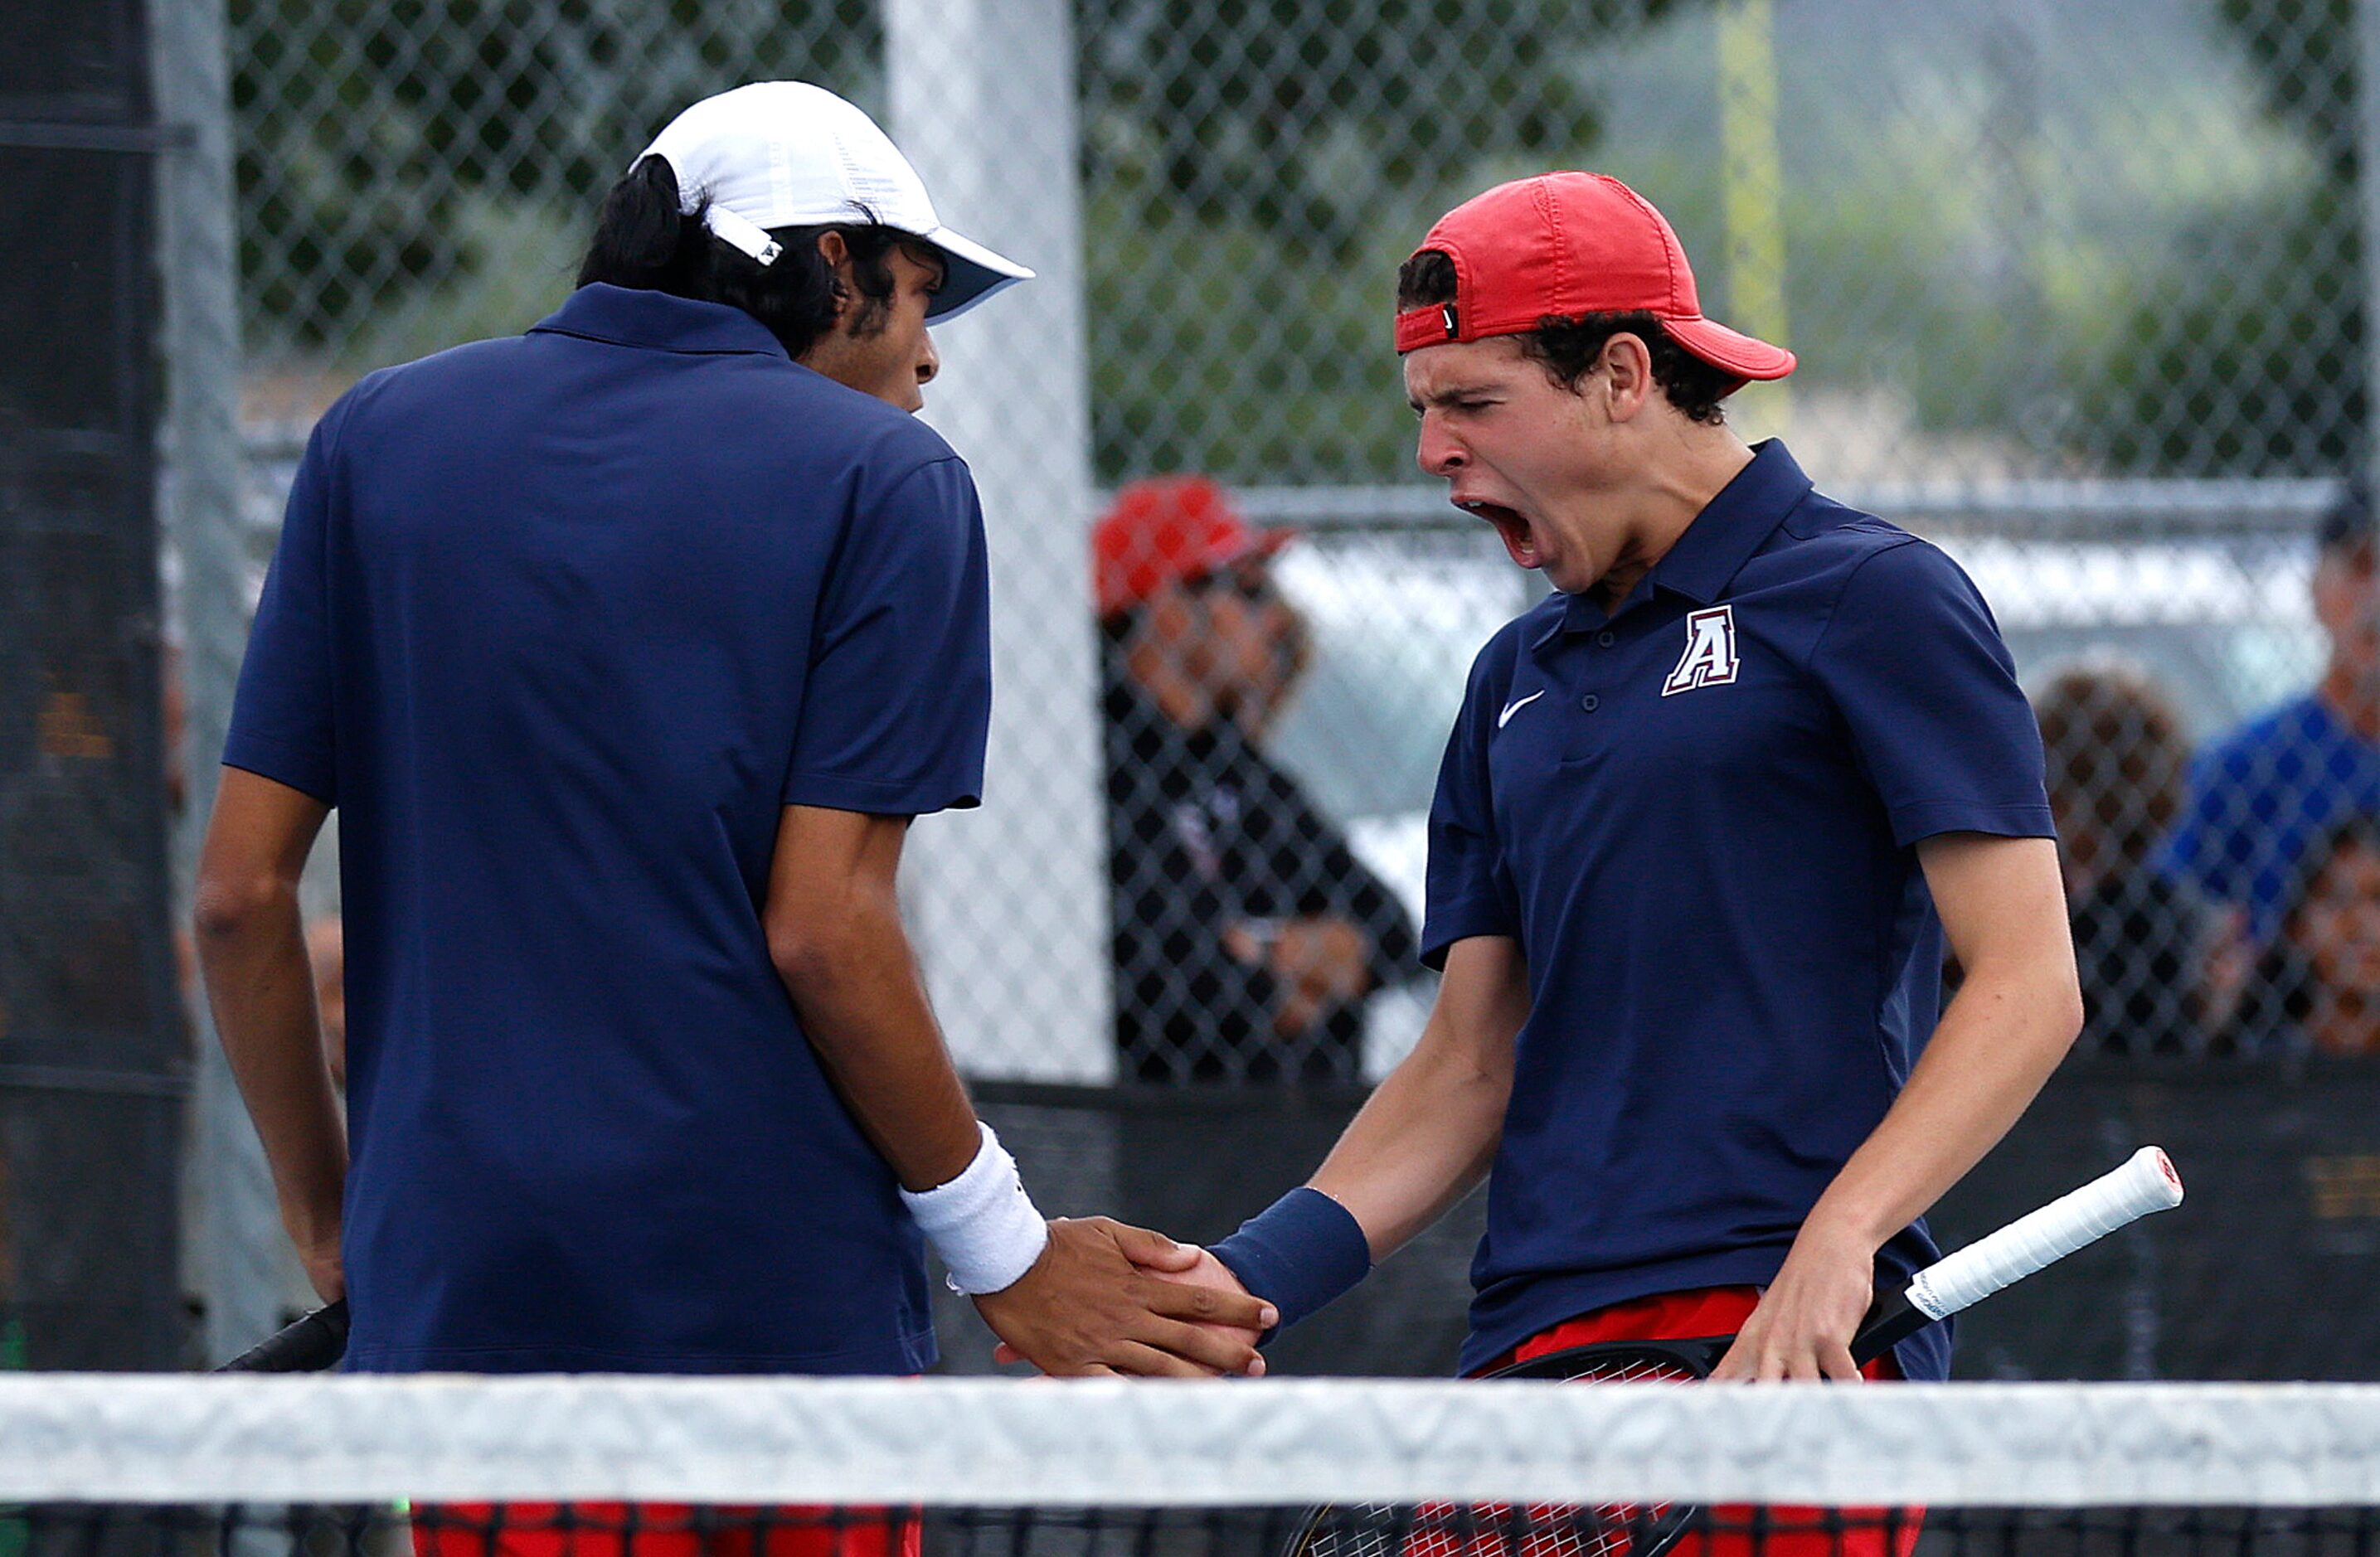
[
  {"x": 1421, "y": 1139},
  {"x": 260, "y": 990},
  {"x": 1427, "y": 1135},
  {"x": 1998, "y": 1042},
  {"x": 1421, "y": 1142},
  {"x": 865, "y": 1008}
]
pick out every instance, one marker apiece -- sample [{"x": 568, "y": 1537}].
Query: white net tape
[{"x": 1003, "y": 1444}]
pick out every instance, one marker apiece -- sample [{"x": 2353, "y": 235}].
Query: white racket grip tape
[{"x": 2146, "y": 1182}]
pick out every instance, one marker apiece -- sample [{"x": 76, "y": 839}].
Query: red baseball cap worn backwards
[
  {"x": 1171, "y": 529},
  {"x": 1564, "y": 244}
]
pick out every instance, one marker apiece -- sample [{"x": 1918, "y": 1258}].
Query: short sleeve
[
  {"x": 1470, "y": 888},
  {"x": 897, "y": 704},
  {"x": 1916, "y": 667},
  {"x": 281, "y": 720}
]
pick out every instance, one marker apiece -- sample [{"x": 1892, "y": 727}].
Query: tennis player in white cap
[{"x": 627, "y": 649}]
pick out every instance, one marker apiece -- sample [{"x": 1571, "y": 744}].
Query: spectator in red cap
[
  {"x": 1247, "y": 933},
  {"x": 1707, "y": 819}
]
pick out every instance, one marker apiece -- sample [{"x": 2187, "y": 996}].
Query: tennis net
[{"x": 114, "y": 1466}]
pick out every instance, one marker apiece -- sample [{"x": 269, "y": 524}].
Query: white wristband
[{"x": 982, "y": 1223}]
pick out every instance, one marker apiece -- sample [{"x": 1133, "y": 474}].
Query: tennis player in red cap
[{"x": 1708, "y": 821}]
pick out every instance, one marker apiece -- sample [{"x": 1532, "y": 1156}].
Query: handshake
[
  {"x": 1107, "y": 1297},
  {"x": 1091, "y": 1296}
]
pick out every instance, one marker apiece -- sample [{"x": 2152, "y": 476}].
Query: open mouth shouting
[{"x": 1512, "y": 527}]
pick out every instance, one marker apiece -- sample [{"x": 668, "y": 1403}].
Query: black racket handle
[
  {"x": 308, "y": 1346},
  {"x": 1893, "y": 1320}
]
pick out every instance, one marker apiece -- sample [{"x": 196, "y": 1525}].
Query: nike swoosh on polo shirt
[{"x": 1510, "y": 708}]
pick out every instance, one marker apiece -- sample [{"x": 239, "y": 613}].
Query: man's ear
[
  {"x": 837, "y": 255},
  {"x": 1627, "y": 366}
]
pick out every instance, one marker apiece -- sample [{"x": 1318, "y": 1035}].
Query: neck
[{"x": 1693, "y": 464}]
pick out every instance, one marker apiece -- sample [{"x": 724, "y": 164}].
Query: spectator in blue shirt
[
  {"x": 2261, "y": 794},
  {"x": 1706, "y": 819},
  {"x": 627, "y": 648}
]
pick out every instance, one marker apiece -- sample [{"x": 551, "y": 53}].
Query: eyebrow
[{"x": 1446, "y": 394}]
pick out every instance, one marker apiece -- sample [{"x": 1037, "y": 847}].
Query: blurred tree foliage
[
  {"x": 2248, "y": 358},
  {"x": 1296, "y": 149},
  {"x": 399, "y": 159},
  {"x": 367, "y": 127}
]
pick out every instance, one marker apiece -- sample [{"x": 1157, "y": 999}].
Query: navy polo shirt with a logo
[
  {"x": 560, "y": 624},
  {"x": 1697, "y": 813}
]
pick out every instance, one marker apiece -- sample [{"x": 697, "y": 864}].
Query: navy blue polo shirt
[
  {"x": 1698, "y": 816},
  {"x": 560, "y": 624}
]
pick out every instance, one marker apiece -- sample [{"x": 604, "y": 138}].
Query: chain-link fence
[{"x": 2077, "y": 292}]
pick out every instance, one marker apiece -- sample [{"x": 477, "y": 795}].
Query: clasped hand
[{"x": 1107, "y": 1297}]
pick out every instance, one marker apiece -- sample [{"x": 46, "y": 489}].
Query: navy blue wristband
[{"x": 1302, "y": 1251}]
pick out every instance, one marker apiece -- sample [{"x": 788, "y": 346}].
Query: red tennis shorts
[
  {"x": 1730, "y": 1530},
  {"x": 619, "y": 1530}
]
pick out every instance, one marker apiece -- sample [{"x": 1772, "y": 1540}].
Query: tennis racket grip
[
  {"x": 308, "y": 1345},
  {"x": 2146, "y": 1182}
]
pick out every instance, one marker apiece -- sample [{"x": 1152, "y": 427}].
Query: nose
[{"x": 1438, "y": 453}]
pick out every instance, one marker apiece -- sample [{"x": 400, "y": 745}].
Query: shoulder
[
  {"x": 1831, "y": 541},
  {"x": 1869, "y": 573},
  {"x": 878, "y": 445},
  {"x": 438, "y": 374},
  {"x": 410, "y": 399},
  {"x": 1878, "y": 600},
  {"x": 1828, "y": 557}
]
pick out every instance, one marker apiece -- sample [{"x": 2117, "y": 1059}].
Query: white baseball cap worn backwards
[{"x": 789, "y": 154}]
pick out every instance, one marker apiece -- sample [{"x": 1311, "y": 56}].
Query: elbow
[
  {"x": 2053, "y": 1001},
  {"x": 803, "y": 955},
  {"x": 2034, "y": 1000},
  {"x": 2067, "y": 1012},
  {"x": 227, "y": 905},
  {"x": 820, "y": 943}
]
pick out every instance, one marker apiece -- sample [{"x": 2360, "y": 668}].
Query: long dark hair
[{"x": 643, "y": 240}]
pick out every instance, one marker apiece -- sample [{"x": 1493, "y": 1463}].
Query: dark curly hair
[{"x": 1568, "y": 345}]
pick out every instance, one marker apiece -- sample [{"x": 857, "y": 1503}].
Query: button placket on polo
[{"x": 1604, "y": 638}]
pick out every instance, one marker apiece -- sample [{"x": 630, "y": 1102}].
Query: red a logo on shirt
[{"x": 1709, "y": 659}]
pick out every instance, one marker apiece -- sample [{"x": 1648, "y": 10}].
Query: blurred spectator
[
  {"x": 1246, "y": 933},
  {"x": 2115, "y": 757},
  {"x": 326, "y": 949},
  {"x": 2261, "y": 794},
  {"x": 2317, "y": 986}
]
